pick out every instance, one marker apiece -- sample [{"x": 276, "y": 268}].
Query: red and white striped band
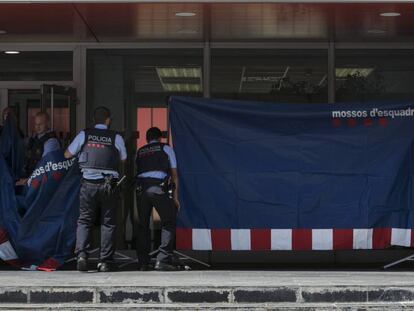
[
  {"x": 7, "y": 252},
  {"x": 292, "y": 239}
]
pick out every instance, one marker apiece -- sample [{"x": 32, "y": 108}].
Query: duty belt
[
  {"x": 108, "y": 181},
  {"x": 147, "y": 182},
  {"x": 96, "y": 181}
]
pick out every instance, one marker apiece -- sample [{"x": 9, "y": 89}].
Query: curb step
[
  {"x": 218, "y": 295},
  {"x": 216, "y": 307}
]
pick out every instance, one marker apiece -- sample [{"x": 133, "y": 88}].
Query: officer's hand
[
  {"x": 21, "y": 182},
  {"x": 177, "y": 204}
]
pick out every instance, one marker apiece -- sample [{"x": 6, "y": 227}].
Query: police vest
[
  {"x": 99, "y": 151},
  {"x": 36, "y": 147},
  {"x": 152, "y": 157}
]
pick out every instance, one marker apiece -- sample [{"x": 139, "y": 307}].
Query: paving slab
[
  {"x": 216, "y": 307},
  {"x": 208, "y": 278},
  {"x": 232, "y": 288}
]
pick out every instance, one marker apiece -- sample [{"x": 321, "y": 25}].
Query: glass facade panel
[
  {"x": 144, "y": 79},
  {"x": 288, "y": 76},
  {"x": 363, "y": 75},
  {"x": 36, "y": 66}
]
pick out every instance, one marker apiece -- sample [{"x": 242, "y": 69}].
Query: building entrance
[{"x": 58, "y": 101}]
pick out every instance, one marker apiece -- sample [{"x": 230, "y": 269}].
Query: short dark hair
[
  {"x": 153, "y": 133},
  {"x": 43, "y": 114},
  {"x": 101, "y": 114}
]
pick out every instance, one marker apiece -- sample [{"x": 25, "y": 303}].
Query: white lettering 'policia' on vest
[{"x": 101, "y": 139}]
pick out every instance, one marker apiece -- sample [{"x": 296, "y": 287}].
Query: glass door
[
  {"x": 25, "y": 104},
  {"x": 60, "y": 103},
  {"x": 149, "y": 117}
]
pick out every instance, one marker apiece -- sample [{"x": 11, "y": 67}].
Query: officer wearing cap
[
  {"x": 156, "y": 168},
  {"x": 100, "y": 151}
]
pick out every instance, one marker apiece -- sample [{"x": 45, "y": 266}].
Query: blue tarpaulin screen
[{"x": 251, "y": 166}]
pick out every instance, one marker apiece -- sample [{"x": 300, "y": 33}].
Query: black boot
[
  {"x": 104, "y": 267},
  {"x": 146, "y": 266},
  {"x": 163, "y": 266},
  {"x": 82, "y": 264}
]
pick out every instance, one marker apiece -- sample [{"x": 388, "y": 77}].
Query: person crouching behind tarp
[
  {"x": 100, "y": 151},
  {"x": 156, "y": 164},
  {"x": 41, "y": 143}
]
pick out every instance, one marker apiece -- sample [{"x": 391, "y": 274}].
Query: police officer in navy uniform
[
  {"x": 4, "y": 115},
  {"x": 8, "y": 112},
  {"x": 43, "y": 142},
  {"x": 100, "y": 151},
  {"x": 156, "y": 169}
]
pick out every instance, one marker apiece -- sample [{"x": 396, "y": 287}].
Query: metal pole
[
  {"x": 206, "y": 51},
  {"x": 52, "y": 108},
  {"x": 331, "y": 56},
  {"x": 409, "y": 258},
  {"x": 207, "y": 70},
  {"x": 331, "y": 73},
  {"x": 168, "y": 124}
]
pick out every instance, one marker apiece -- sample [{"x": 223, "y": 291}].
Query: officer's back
[
  {"x": 156, "y": 166},
  {"x": 99, "y": 151}
]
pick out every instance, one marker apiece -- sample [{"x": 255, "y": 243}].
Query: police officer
[
  {"x": 4, "y": 114},
  {"x": 41, "y": 143},
  {"x": 100, "y": 151},
  {"x": 156, "y": 165},
  {"x": 12, "y": 147},
  {"x": 9, "y": 113}
]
